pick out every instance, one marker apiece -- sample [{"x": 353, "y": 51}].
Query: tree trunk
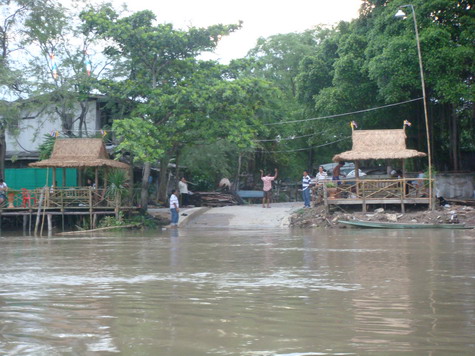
[
  {"x": 163, "y": 187},
  {"x": 144, "y": 192},
  {"x": 454, "y": 138},
  {"x": 455, "y": 141}
]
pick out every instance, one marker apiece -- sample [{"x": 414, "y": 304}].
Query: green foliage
[
  {"x": 144, "y": 221},
  {"x": 206, "y": 164},
  {"x": 140, "y": 137},
  {"x": 46, "y": 148},
  {"x": 109, "y": 221},
  {"x": 117, "y": 179}
]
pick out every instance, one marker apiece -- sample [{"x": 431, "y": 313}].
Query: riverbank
[
  {"x": 283, "y": 215},
  {"x": 316, "y": 217},
  {"x": 235, "y": 216}
]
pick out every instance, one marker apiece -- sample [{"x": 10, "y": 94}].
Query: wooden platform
[
  {"x": 366, "y": 192},
  {"x": 44, "y": 203}
]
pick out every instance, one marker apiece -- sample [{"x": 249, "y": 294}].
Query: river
[{"x": 245, "y": 292}]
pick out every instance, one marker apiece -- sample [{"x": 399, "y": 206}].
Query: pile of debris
[
  {"x": 214, "y": 199},
  {"x": 316, "y": 217}
]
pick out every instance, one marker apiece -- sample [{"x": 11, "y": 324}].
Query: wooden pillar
[
  {"x": 50, "y": 224},
  {"x": 90, "y": 191},
  {"x": 64, "y": 176},
  {"x": 96, "y": 177},
  {"x": 364, "y": 198},
  {"x": 38, "y": 215},
  {"x": 403, "y": 185},
  {"x": 357, "y": 175},
  {"x": 25, "y": 223},
  {"x": 54, "y": 177}
]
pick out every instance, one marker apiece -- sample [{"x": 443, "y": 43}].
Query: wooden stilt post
[
  {"x": 54, "y": 177},
  {"x": 38, "y": 215},
  {"x": 357, "y": 175},
  {"x": 50, "y": 224},
  {"x": 96, "y": 178},
  {"x": 403, "y": 185},
  {"x": 364, "y": 198},
  {"x": 29, "y": 221},
  {"x": 25, "y": 222},
  {"x": 90, "y": 191}
]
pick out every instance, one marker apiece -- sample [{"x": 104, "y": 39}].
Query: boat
[{"x": 387, "y": 225}]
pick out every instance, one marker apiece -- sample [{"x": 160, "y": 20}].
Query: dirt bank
[{"x": 316, "y": 217}]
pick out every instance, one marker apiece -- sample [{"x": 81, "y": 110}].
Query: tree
[
  {"x": 62, "y": 64},
  {"x": 160, "y": 74},
  {"x": 12, "y": 81},
  {"x": 445, "y": 29}
]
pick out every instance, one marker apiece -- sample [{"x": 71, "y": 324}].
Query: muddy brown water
[{"x": 246, "y": 292}]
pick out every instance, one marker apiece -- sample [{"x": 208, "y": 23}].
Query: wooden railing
[
  {"x": 367, "y": 189},
  {"x": 60, "y": 198}
]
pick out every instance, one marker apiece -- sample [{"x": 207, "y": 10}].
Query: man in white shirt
[
  {"x": 321, "y": 176},
  {"x": 184, "y": 192},
  {"x": 306, "y": 189},
  {"x": 174, "y": 209}
]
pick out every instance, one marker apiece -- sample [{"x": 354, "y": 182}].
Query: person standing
[
  {"x": 321, "y": 178},
  {"x": 306, "y": 189},
  {"x": 174, "y": 209},
  {"x": 3, "y": 191},
  {"x": 184, "y": 192},
  {"x": 267, "y": 188},
  {"x": 337, "y": 171}
]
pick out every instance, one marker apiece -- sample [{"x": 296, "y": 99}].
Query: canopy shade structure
[
  {"x": 378, "y": 144},
  {"x": 79, "y": 153}
]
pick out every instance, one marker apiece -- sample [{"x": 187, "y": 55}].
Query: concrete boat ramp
[{"x": 236, "y": 217}]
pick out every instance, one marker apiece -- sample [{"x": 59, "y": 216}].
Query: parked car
[
  {"x": 348, "y": 167},
  {"x": 351, "y": 174}
]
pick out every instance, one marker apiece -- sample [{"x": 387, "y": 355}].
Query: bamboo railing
[
  {"x": 62, "y": 198},
  {"x": 364, "y": 191}
]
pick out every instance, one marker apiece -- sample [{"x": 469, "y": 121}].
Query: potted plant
[{"x": 331, "y": 189}]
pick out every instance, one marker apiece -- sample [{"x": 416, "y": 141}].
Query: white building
[{"x": 33, "y": 126}]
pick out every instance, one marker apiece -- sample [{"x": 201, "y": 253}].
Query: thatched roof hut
[
  {"x": 79, "y": 153},
  {"x": 378, "y": 144}
]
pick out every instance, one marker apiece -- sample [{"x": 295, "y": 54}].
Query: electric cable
[{"x": 344, "y": 114}]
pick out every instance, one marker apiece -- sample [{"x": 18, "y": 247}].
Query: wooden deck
[
  {"x": 366, "y": 192},
  {"x": 79, "y": 201}
]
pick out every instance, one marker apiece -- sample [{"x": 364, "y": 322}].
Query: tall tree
[
  {"x": 13, "y": 83},
  {"x": 159, "y": 73},
  {"x": 62, "y": 63}
]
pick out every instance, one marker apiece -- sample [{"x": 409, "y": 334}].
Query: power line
[
  {"x": 285, "y": 138},
  {"x": 344, "y": 114},
  {"x": 309, "y": 148}
]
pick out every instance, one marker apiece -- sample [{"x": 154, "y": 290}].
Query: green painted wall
[{"x": 30, "y": 178}]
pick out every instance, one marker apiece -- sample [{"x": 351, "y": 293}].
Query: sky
[{"x": 261, "y": 18}]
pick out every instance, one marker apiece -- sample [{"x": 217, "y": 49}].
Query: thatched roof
[
  {"x": 378, "y": 144},
  {"x": 79, "y": 152}
]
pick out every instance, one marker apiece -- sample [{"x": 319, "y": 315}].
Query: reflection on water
[{"x": 182, "y": 292}]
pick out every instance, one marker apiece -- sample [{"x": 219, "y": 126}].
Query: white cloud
[{"x": 262, "y": 18}]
